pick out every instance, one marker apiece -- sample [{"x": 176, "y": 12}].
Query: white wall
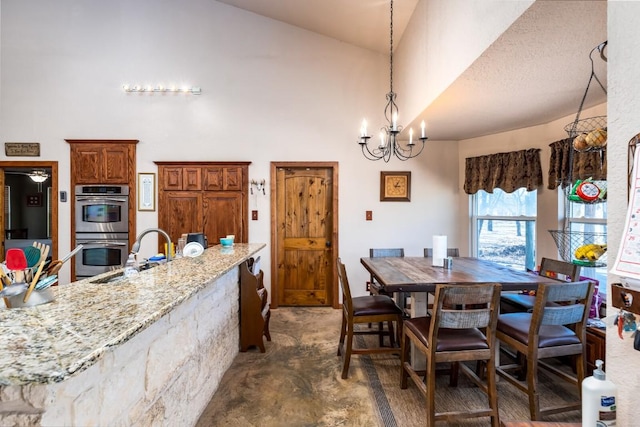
[
  {"x": 270, "y": 92},
  {"x": 623, "y": 123}
]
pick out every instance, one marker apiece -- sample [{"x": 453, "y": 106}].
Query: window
[
  {"x": 504, "y": 226},
  {"x": 587, "y": 223}
]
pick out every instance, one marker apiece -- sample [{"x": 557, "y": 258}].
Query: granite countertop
[{"x": 49, "y": 342}]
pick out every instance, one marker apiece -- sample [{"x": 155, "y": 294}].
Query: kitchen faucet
[{"x": 136, "y": 245}]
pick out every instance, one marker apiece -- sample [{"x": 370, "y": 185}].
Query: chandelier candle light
[{"x": 389, "y": 143}]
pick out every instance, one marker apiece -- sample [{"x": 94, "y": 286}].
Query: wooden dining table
[
  {"x": 419, "y": 277},
  {"x": 417, "y": 274}
]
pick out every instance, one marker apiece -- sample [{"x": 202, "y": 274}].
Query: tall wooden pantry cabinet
[{"x": 207, "y": 197}]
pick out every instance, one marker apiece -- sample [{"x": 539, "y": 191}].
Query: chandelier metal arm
[{"x": 389, "y": 144}]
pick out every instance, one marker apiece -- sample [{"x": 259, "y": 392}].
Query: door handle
[{"x": 328, "y": 243}]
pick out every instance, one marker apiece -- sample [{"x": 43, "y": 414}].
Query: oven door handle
[
  {"x": 100, "y": 199},
  {"x": 102, "y": 243}
]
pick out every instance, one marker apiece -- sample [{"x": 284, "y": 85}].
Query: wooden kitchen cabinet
[
  {"x": 596, "y": 348},
  {"x": 101, "y": 163},
  {"x": 181, "y": 178},
  {"x": 207, "y": 197},
  {"x": 183, "y": 213},
  {"x": 223, "y": 178}
]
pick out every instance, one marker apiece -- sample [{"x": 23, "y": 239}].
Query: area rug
[
  {"x": 297, "y": 382},
  {"x": 397, "y": 407}
]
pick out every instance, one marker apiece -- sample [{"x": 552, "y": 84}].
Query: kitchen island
[{"x": 146, "y": 350}]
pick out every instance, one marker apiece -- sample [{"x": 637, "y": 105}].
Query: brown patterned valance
[
  {"x": 507, "y": 171},
  {"x": 592, "y": 164}
]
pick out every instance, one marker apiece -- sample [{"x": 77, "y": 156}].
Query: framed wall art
[{"x": 147, "y": 191}]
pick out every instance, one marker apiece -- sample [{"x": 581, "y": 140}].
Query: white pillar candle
[{"x": 439, "y": 250}]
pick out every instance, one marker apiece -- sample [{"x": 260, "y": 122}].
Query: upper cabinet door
[
  {"x": 102, "y": 163},
  {"x": 171, "y": 178},
  {"x": 181, "y": 178},
  {"x": 115, "y": 164},
  {"x": 87, "y": 162},
  {"x": 223, "y": 178},
  {"x": 192, "y": 178}
]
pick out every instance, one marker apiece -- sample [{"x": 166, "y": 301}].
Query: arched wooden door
[{"x": 304, "y": 223}]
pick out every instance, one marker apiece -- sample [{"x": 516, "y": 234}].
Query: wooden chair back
[
  {"x": 465, "y": 307},
  {"x": 572, "y": 300},
  {"x": 380, "y": 253},
  {"x": 347, "y": 302},
  {"x": 383, "y": 252},
  {"x": 560, "y": 270},
  {"x": 454, "y": 252}
]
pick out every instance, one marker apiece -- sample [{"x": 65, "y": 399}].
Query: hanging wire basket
[
  {"x": 587, "y": 125},
  {"x": 590, "y": 133},
  {"x": 568, "y": 241}
]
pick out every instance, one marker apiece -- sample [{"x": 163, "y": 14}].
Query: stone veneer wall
[{"x": 165, "y": 375}]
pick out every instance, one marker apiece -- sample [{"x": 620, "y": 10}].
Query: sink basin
[
  {"x": 111, "y": 278},
  {"x": 117, "y": 276}
]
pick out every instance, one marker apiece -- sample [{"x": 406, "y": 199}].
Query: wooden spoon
[{"x": 3, "y": 276}]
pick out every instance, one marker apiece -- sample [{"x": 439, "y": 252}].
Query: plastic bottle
[
  {"x": 131, "y": 266},
  {"x": 598, "y": 399}
]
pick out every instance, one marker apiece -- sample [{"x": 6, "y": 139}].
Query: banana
[{"x": 590, "y": 252}]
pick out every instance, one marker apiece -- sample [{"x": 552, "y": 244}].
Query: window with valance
[
  {"x": 567, "y": 165},
  {"x": 506, "y": 171}
]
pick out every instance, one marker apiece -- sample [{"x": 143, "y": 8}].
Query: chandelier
[{"x": 389, "y": 143}]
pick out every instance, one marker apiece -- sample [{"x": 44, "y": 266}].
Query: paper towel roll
[{"x": 439, "y": 250}]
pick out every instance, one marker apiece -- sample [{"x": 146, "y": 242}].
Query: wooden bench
[{"x": 255, "y": 311}]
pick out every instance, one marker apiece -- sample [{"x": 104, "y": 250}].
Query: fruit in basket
[
  {"x": 590, "y": 252},
  {"x": 580, "y": 142},
  {"x": 596, "y": 138}
]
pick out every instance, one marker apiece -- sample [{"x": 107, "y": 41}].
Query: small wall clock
[{"x": 395, "y": 186}]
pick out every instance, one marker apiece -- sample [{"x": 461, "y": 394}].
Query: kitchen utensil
[
  {"x": 32, "y": 254},
  {"x": 4, "y": 280},
  {"x": 72, "y": 253},
  {"x": 37, "y": 276},
  {"x": 46, "y": 282},
  {"x": 56, "y": 265},
  {"x": 17, "y": 262}
]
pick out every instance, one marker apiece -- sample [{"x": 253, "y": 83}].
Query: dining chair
[
  {"x": 548, "y": 331},
  {"x": 364, "y": 309},
  {"x": 453, "y": 252},
  {"x": 455, "y": 334},
  {"x": 560, "y": 270},
  {"x": 374, "y": 286}
]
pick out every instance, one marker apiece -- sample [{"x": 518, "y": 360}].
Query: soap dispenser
[
  {"x": 598, "y": 399},
  {"x": 131, "y": 266}
]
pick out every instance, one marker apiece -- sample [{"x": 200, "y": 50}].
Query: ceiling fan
[{"x": 36, "y": 175}]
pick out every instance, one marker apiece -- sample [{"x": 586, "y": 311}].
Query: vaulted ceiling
[{"x": 535, "y": 72}]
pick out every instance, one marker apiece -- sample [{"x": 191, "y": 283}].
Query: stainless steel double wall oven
[{"x": 102, "y": 227}]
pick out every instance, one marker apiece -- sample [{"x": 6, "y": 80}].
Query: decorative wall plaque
[
  {"x": 34, "y": 200},
  {"x": 17, "y": 149}
]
